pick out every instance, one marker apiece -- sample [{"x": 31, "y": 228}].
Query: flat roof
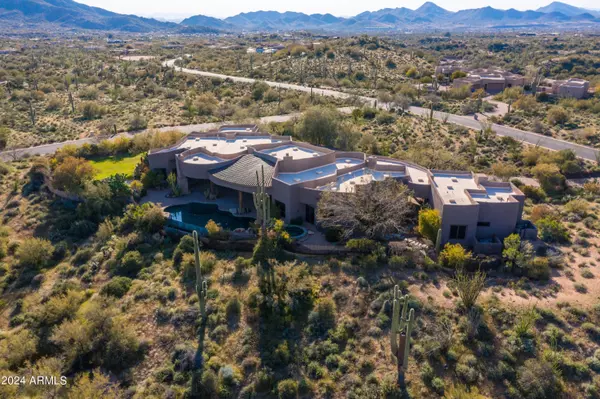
[
  {"x": 318, "y": 172},
  {"x": 493, "y": 194},
  {"x": 202, "y": 159},
  {"x": 347, "y": 182},
  {"x": 417, "y": 176},
  {"x": 293, "y": 151},
  {"x": 452, "y": 187},
  {"x": 221, "y": 145}
]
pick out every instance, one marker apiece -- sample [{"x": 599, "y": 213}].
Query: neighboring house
[
  {"x": 448, "y": 66},
  {"x": 491, "y": 80},
  {"x": 575, "y": 88},
  {"x": 475, "y": 212}
]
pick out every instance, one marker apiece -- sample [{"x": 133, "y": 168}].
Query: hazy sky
[{"x": 184, "y": 8}]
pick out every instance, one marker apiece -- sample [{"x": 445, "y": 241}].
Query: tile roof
[{"x": 243, "y": 171}]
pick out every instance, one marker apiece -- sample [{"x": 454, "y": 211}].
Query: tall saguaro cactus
[
  {"x": 262, "y": 202},
  {"x": 400, "y": 334},
  {"x": 201, "y": 285}
]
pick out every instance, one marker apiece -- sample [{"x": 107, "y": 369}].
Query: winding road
[
  {"x": 524, "y": 136},
  {"x": 536, "y": 139},
  {"x": 187, "y": 129}
]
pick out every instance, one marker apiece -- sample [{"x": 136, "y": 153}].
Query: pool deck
[{"x": 224, "y": 204}]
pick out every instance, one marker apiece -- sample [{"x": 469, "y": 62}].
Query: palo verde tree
[{"x": 402, "y": 326}]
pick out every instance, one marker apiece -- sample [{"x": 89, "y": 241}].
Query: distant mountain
[
  {"x": 273, "y": 20},
  {"x": 209, "y": 22},
  {"x": 567, "y": 9},
  {"x": 429, "y": 10},
  {"x": 70, "y": 14}
]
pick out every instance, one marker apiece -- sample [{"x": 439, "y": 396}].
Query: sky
[{"x": 183, "y": 8}]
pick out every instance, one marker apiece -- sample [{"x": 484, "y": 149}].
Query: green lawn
[{"x": 108, "y": 166}]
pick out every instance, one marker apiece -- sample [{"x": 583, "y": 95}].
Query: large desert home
[
  {"x": 491, "y": 80},
  {"x": 476, "y": 211}
]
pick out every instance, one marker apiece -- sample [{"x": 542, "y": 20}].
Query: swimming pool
[
  {"x": 295, "y": 232},
  {"x": 194, "y": 216}
]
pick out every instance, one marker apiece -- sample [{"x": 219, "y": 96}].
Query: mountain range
[
  {"x": 428, "y": 16},
  {"x": 73, "y": 15}
]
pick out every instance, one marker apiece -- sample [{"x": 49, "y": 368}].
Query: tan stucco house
[
  {"x": 476, "y": 212},
  {"x": 491, "y": 80}
]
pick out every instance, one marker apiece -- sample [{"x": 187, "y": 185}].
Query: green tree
[
  {"x": 319, "y": 126},
  {"x": 72, "y": 174},
  {"x": 35, "y": 252},
  {"x": 457, "y": 75},
  {"x": 558, "y": 116},
  {"x": 516, "y": 253},
  {"x": 550, "y": 178}
]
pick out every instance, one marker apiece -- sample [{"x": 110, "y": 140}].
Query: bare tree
[{"x": 375, "y": 210}]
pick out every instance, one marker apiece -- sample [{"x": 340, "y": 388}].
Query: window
[
  {"x": 483, "y": 224},
  {"x": 458, "y": 232}
]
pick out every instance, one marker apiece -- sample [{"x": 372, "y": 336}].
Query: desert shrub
[
  {"x": 57, "y": 308},
  {"x": 18, "y": 347},
  {"x": 362, "y": 244},
  {"x": 536, "y": 194},
  {"x": 72, "y": 174},
  {"x": 4, "y": 168},
  {"x": 117, "y": 287},
  {"x": 130, "y": 264},
  {"x": 137, "y": 122},
  {"x": 550, "y": 178},
  {"x": 454, "y": 256},
  {"x": 91, "y": 110},
  {"x": 552, "y": 230},
  {"x": 539, "y": 269},
  {"x": 147, "y": 217},
  {"x": 209, "y": 383},
  {"x": 536, "y": 380},
  {"x": 429, "y": 223},
  {"x": 322, "y": 318},
  {"x": 542, "y": 211},
  {"x": 578, "y": 207},
  {"x": 35, "y": 253},
  {"x": 287, "y": 389},
  {"x": 557, "y": 116},
  {"x": 213, "y": 228},
  {"x": 82, "y": 256}
]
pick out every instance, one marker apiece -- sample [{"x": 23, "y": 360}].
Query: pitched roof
[{"x": 243, "y": 171}]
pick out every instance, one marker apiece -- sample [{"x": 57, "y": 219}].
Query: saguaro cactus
[
  {"x": 201, "y": 286},
  {"x": 400, "y": 334},
  {"x": 438, "y": 241},
  {"x": 262, "y": 202}
]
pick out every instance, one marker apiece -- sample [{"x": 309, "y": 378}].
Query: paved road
[
  {"x": 550, "y": 143},
  {"x": 186, "y": 129}
]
